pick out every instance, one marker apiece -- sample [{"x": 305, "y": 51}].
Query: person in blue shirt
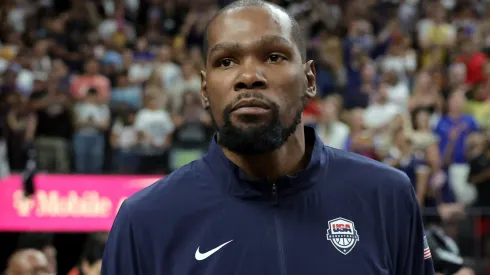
[
  {"x": 454, "y": 128},
  {"x": 268, "y": 197}
]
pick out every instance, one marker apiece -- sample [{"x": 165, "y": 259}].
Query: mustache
[{"x": 250, "y": 95}]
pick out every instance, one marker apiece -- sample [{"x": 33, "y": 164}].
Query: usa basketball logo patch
[{"x": 342, "y": 234}]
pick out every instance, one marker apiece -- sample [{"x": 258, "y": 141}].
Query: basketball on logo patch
[{"x": 342, "y": 234}]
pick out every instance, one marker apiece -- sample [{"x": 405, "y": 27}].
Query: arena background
[{"x": 99, "y": 98}]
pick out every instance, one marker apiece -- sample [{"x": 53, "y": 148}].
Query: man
[
  {"x": 43, "y": 242},
  {"x": 330, "y": 129},
  {"x": 268, "y": 197},
  {"x": 28, "y": 261},
  {"x": 91, "y": 258}
]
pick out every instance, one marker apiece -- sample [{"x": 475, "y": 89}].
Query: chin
[{"x": 250, "y": 126}]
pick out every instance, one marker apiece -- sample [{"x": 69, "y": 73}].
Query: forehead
[{"x": 244, "y": 25}]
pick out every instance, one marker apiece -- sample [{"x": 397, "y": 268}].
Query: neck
[{"x": 287, "y": 160}]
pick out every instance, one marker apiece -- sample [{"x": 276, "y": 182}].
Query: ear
[
  {"x": 310, "y": 73},
  {"x": 204, "y": 91}
]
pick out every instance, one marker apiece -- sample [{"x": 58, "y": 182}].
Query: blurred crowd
[{"x": 112, "y": 86}]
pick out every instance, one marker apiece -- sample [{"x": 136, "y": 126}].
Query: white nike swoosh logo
[{"x": 201, "y": 256}]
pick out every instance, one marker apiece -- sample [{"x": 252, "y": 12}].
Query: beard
[{"x": 255, "y": 138}]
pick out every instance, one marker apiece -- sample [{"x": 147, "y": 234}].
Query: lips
[{"x": 250, "y": 103}]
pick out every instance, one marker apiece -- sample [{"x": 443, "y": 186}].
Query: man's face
[{"x": 255, "y": 84}]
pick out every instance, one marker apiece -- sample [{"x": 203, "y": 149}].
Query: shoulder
[
  {"x": 174, "y": 193},
  {"x": 366, "y": 174},
  {"x": 162, "y": 191}
]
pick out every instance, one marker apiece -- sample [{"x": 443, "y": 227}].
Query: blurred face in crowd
[
  {"x": 456, "y": 102},
  {"x": 28, "y": 262},
  {"x": 255, "y": 84},
  {"x": 152, "y": 101},
  {"x": 423, "y": 81},
  {"x": 188, "y": 69},
  {"x": 165, "y": 54},
  {"x": 196, "y": 55},
  {"x": 439, "y": 13},
  {"x": 141, "y": 44},
  {"x": 41, "y": 48},
  {"x": 92, "y": 269},
  {"x": 368, "y": 73},
  {"x": 422, "y": 121},
  {"x": 92, "y": 67},
  {"x": 329, "y": 111},
  {"x": 469, "y": 46},
  {"x": 357, "y": 120},
  {"x": 457, "y": 74},
  {"x": 59, "y": 68}
]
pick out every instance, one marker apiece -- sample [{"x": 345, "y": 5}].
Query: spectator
[
  {"x": 191, "y": 77},
  {"x": 171, "y": 76},
  {"x": 140, "y": 69},
  {"x": 4, "y": 160},
  {"x": 333, "y": 132},
  {"x": 126, "y": 92},
  {"x": 360, "y": 140},
  {"x": 435, "y": 36},
  {"x": 91, "y": 78},
  {"x": 91, "y": 261},
  {"x": 474, "y": 61},
  {"x": 22, "y": 125},
  {"x": 480, "y": 169},
  {"x": 41, "y": 62},
  {"x": 91, "y": 121},
  {"x": 28, "y": 261},
  {"x": 154, "y": 125},
  {"x": 453, "y": 130},
  {"x": 398, "y": 90},
  {"x": 41, "y": 242},
  {"x": 124, "y": 141},
  {"x": 427, "y": 94},
  {"x": 479, "y": 176},
  {"x": 403, "y": 157},
  {"x": 192, "y": 133},
  {"x": 381, "y": 112},
  {"x": 53, "y": 133},
  {"x": 400, "y": 59}
]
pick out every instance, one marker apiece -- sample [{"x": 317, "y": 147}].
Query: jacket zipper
[
  {"x": 280, "y": 247},
  {"x": 275, "y": 196}
]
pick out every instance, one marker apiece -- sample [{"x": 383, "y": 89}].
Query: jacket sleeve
[
  {"x": 414, "y": 256},
  {"x": 121, "y": 255}
]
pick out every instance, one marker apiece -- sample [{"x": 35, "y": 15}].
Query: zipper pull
[{"x": 275, "y": 195}]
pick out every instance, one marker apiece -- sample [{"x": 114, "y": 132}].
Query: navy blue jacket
[{"x": 343, "y": 214}]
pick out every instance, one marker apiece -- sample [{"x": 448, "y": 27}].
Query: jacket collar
[{"x": 233, "y": 179}]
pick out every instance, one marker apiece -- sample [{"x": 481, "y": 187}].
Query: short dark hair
[
  {"x": 93, "y": 250},
  {"x": 296, "y": 29}
]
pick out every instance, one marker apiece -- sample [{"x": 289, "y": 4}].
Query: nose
[{"x": 251, "y": 77}]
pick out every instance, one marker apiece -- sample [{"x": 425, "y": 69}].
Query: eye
[
  {"x": 275, "y": 58},
  {"x": 226, "y": 62}
]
